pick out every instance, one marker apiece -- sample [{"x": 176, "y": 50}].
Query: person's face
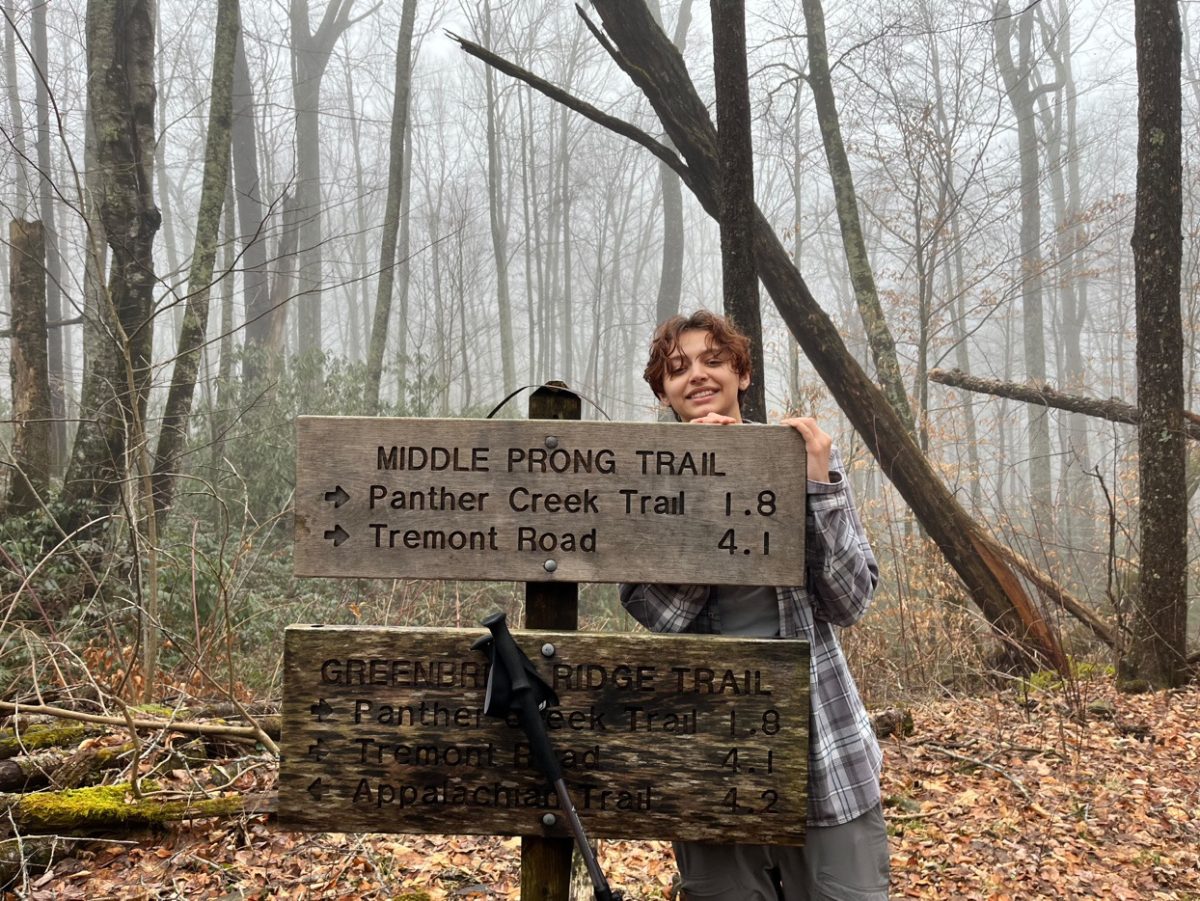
[{"x": 700, "y": 379}]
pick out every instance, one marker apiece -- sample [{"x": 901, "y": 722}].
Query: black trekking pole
[{"x": 514, "y": 685}]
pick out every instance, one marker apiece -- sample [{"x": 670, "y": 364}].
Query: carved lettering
[
  {"x": 701, "y": 680},
  {"x": 522, "y": 500},
  {"x": 530, "y": 539},
  {"x": 595, "y": 677},
  {"x": 436, "y": 539},
  {"x": 434, "y": 459},
  {"x": 560, "y": 460},
  {"x": 664, "y": 462}
]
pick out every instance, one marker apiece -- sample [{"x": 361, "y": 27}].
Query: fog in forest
[{"x": 532, "y": 244}]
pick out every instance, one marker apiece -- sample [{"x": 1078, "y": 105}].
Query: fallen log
[
  {"x": 104, "y": 809},
  {"x": 892, "y": 721},
  {"x": 266, "y": 730},
  {"x": 14, "y": 743},
  {"x": 29, "y": 771},
  {"x": 30, "y": 855},
  {"x": 1112, "y": 409}
]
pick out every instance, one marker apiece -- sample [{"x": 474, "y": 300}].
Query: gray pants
[{"x": 838, "y": 863}]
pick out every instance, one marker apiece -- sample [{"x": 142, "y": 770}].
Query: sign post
[
  {"x": 668, "y": 737},
  {"x": 545, "y": 861}
]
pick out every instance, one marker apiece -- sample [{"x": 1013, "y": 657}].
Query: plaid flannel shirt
[{"x": 841, "y": 574}]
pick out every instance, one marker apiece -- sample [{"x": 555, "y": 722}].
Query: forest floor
[{"x": 1074, "y": 792}]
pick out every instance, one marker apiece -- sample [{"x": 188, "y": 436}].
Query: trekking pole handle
[
  {"x": 528, "y": 715},
  {"x": 506, "y": 648}
]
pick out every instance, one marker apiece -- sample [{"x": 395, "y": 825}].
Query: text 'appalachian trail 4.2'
[{"x": 545, "y": 500}]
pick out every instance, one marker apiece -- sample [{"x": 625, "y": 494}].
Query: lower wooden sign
[{"x": 694, "y": 738}]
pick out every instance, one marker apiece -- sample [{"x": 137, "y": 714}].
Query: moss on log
[
  {"x": 104, "y": 808},
  {"x": 36, "y": 738}
]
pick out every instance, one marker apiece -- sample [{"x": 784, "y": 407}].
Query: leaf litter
[{"x": 997, "y": 798}]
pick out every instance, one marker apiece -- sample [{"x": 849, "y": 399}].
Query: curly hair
[{"x": 723, "y": 335}]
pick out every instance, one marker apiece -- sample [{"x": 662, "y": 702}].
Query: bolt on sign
[
  {"x": 693, "y": 738},
  {"x": 542, "y": 500}
]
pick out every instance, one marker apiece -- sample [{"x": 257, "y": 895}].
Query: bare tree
[
  {"x": 1023, "y": 92},
  {"x": 879, "y": 336},
  {"x": 310, "y": 57},
  {"x": 29, "y": 477},
  {"x": 670, "y": 283},
  {"x": 739, "y": 277},
  {"x": 252, "y": 218},
  {"x": 645, "y": 54},
  {"x": 392, "y": 208},
  {"x": 172, "y": 438},
  {"x": 54, "y": 268},
  {"x": 1157, "y": 650},
  {"x": 120, "y": 54}
]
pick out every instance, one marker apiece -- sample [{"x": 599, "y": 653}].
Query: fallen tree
[
  {"x": 652, "y": 62},
  {"x": 105, "y": 808},
  {"x": 263, "y": 729},
  {"x": 31, "y": 854},
  {"x": 1113, "y": 409}
]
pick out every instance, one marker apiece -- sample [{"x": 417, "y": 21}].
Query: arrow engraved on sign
[
  {"x": 337, "y": 535},
  {"x": 316, "y": 789},
  {"x": 339, "y": 496},
  {"x": 321, "y": 710},
  {"x": 316, "y": 752}
]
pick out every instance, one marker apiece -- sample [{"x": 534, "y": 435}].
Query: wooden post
[{"x": 546, "y": 862}]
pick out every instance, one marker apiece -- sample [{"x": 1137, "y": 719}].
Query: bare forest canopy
[{"x": 327, "y": 208}]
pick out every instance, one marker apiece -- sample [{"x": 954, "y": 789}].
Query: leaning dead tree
[{"x": 641, "y": 49}]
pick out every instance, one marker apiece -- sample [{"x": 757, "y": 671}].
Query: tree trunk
[
  {"x": 64, "y": 770},
  {"x": 173, "y": 437},
  {"x": 391, "y": 211},
  {"x": 670, "y": 285},
  {"x": 1157, "y": 650},
  {"x": 739, "y": 277},
  {"x": 310, "y": 57},
  {"x": 658, "y": 70},
  {"x": 1073, "y": 294},
  {"x": 24, "y": 192},
  {"x": 29, "y": 476},
  {"x": 862, "y": 277},
  {"x": 252, "y": 218},
  {"x": 225, "y": 391},
  {"x": 1017, "y": 83},
  {"x": 566, "y": 356},
  {"x": 405, "y": 273},
  {"x": 120, "y": 55},
  {"x": 46, "y": 194}
]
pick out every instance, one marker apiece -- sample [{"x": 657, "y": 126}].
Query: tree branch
[
  {"x": 612, "y": 123},
  {"x": 1113, "y": 410},
  {"x": 155, "y": 724}
]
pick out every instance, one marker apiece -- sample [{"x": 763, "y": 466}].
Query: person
[{"x": 700, "y": 366}]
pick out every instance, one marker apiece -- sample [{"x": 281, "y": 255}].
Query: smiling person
[{"x": 700, "y": 367}]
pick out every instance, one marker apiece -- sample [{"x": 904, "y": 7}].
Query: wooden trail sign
[
  {"x": 540, "y": 500},
  {"x": 696, "y": 738}
]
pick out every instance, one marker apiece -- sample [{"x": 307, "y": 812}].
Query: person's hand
[
  {"x": 817, "y": 445},
  {"x": 714, "y": 419}
]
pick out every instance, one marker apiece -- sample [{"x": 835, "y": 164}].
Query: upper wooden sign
[
  {"x": 541, "y": 500},
  {"x": 695, "y": 738}
]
